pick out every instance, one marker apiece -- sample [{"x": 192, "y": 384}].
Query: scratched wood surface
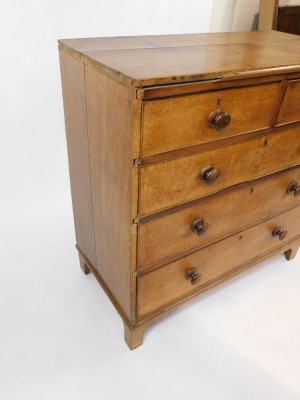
[{"x": 146, "y": 61}]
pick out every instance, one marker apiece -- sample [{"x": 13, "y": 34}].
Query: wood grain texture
[
  {"x": 110, "y": 129},
  {"x": 290, "y": 110},
  {"x": 201, "y": 57},
  {"x": 281, "y": 248},
  {"x": 167, "y": 284},
  {"x": 177, "y": 181},
  {"x": 73, "y": 87},
  {"x": 136, "y": 159},
  {"x": 153, "y": 41},
  {"x": 183, "y": 121},
  {"x": 171, "y": 234}
]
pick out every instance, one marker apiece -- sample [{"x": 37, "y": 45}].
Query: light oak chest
[{"x": 184, "y": 154}]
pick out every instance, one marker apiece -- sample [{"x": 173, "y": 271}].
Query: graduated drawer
[
  {"x": 169, "y": 183},
  {"x": 185, "y": 229},
  {"x": 177, "y": 122},
  {"x": 169, "y": 283},
  {"x": 290, "y": 110}
]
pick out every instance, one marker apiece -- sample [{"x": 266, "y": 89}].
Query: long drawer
[
  {"x": 194, "y": 226},
  {"x": 177, "y": 181},
  {"x": 169, "y": 283},
  {"x": 183, "y": 121}
]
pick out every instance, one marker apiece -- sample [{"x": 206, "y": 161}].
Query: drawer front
[
  {"x": 290, "y": 110},
  {"x": 178, "y": 122},
  {"x": 172, "y": 233},
  {"x": 173, "y": 182},
  {"x": 167, "y": 284}
]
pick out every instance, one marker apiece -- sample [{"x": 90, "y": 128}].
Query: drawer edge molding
[{"x": 179, "y": 89}]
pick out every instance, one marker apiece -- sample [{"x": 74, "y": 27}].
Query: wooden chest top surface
[{"x": 154, "y": 60}]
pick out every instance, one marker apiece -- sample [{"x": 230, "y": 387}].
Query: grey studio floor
[{"x": 60, "y": 337}]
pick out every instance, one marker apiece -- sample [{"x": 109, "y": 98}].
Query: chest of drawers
[{"x": 184, "y": 156}]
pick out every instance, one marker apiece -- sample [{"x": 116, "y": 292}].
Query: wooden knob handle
[
  {"x": 200, "y": 226},
  {"x": 280, "y": 233},
  {"x": 219, "y": 120},
  {"x": 294, "y": 189},
  {"x": 210, "y": 175},
  {"x": 193, "y": 276}
]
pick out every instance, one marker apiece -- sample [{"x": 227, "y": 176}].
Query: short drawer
[
  {"x": 169, "y": 283},
  {"x": 173, "y": 123},
  {"x": 290, "y": 110},
  {"x": 195, "y": 226},
  {"x": 173, "y": 182}
]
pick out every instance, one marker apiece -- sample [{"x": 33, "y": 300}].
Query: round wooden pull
[
  {"x": 193, "y": 276},
  {"x": 200, "y": 226},
  {"x": 280, "y": 233},
  {"x": 210, "y": 175},
  {"x": 294, "y": 188},
  {"x": 219, "y": 120}
]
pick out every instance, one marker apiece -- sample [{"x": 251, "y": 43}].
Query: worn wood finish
[
  {"x": 169, "y": 283},
  {"x": 110, "y": 127},
  {"x": 165, "y": 206},
  {"x": 177, "y": 122},
  {"x": 166, "y": 184},
  {"x": 156, "y": 92},
  {"x": 251, "y": 54},
  {"x": 186, "y": 151},
  {"x": 73, "y": 87},
  {"x": 286, "y": 248},
  {"x": 81, "y": 45},
  {"x": 290, "y": 110},
  {"x": 168, "y": 235}
]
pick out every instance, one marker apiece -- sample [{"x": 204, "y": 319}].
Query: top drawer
[
  {"x": 290, "y": 110},
  {"x": 177, "y": 122}
]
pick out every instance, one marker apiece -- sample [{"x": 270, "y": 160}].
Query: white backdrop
[{"x": 60, "y": 338}]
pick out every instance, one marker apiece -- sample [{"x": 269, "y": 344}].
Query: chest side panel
[
  {"x": 110, "y": 116},
  {"x": 73, "y": 86}
]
